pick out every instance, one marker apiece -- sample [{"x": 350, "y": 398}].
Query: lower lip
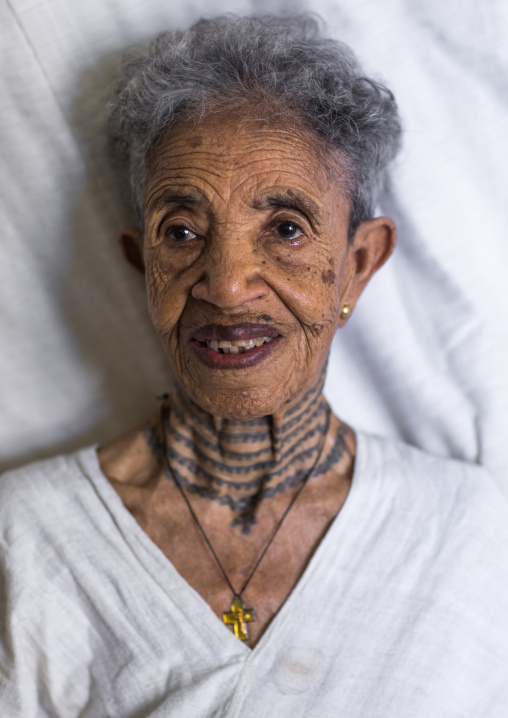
[{"x": 216, "y": 360}]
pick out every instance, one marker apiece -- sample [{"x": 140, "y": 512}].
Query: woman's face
[{"x": 246, "y": 238}]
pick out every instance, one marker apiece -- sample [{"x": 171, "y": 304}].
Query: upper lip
[{"x": 234, "y": 332}]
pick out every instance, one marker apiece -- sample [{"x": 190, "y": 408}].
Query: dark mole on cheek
[
  {"x": 266, "y": 318},
  {"x": 328, "y": 277},
  {"x": 195, "y": 141},
  {"x": 263, "y": 262}
]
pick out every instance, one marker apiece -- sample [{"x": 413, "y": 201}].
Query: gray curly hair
[{"x": 230, "y": 59}]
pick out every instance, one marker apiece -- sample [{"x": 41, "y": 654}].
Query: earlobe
[{"x": 131, "y": 242}]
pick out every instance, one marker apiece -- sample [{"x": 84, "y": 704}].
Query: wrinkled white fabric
[
  {"x": 424, "y": 356},
  {"x": 402, "y": 611}
]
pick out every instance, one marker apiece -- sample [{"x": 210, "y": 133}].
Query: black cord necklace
[{"x": 238, "y": 616}]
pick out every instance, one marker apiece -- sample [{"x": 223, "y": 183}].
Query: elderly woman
[{"x": 245, "y": 552}]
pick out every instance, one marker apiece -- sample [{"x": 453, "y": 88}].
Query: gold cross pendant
[{"x": 238, "y": 617}]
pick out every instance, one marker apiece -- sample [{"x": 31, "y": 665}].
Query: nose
[{"x": 231, "y": 276}]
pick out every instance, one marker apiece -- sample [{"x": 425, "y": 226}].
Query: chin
[{"x": 236, "y": 405}]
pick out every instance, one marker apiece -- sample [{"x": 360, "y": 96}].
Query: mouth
[
  {"x": 234, "y": 346},
  {"x": 239, "y": 346}
]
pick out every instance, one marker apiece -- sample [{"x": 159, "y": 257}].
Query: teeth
[{"x": 238, "y": 346}]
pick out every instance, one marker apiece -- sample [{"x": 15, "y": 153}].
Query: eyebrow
[
  {"x": 290, "y": 200},
  {"x": 172, "y": 197}
]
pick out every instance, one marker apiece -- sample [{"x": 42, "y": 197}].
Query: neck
[{"x": 241, "y": 464}]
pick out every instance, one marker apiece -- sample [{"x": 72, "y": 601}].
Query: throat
[{"x": 241, "y": 465}]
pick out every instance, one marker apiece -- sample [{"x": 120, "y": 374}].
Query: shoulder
[
  {"x": 41, "y": 491},
  {"x": 440, "y": 527},
  {"x": 420, "y": 469},
  {"x": 46, "y": 475},
  {"x": 438, "y": 494}
]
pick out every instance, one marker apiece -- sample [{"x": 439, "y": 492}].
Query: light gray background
[{"x": 425, "y": 355}]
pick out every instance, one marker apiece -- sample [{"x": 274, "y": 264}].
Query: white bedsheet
[{"x": 424, "y": 356}]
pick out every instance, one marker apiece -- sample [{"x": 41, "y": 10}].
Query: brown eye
[
  {"x": 288, "y": 230},
  {"x": 180, "y": 234}
]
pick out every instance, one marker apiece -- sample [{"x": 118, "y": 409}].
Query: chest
[
  {"x": 262, "y": 566},
  {"x": 358, "y": 633}
]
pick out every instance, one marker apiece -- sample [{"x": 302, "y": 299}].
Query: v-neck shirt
[{"x": 401, "y": 611}]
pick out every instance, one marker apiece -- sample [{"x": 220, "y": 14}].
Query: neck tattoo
[{"x": 241, "y": 464}]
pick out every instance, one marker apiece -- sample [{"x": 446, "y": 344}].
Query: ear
[
  {"x": 373, "y": 243},
  {"x": 131, "y": 242}
]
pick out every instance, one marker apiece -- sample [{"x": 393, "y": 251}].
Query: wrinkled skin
[
  {"x": 235, "y": 266},
  {"x": 245, "y": 222}
]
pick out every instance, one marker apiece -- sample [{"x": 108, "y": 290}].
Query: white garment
[{"x": 401, "y": 613}]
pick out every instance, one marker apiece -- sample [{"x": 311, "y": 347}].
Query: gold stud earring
[{"x": 346, "y": 311}]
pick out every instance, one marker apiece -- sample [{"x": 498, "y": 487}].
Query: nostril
[{"x": 229, "y": 286}]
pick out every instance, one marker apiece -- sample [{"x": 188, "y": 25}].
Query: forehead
[{"x": 230, "y": 159}]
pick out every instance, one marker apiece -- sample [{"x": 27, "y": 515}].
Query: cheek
[
  {"x": 165, "y": 288},
  {"x": 307, "y": 284},
  {"x": 171, "y": 261},
  {"x": 313, "y": 302}
]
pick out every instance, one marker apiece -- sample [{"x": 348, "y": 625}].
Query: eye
[
  {"x": 180, "y": 234},
  {"x": 288, "y": 230}
]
